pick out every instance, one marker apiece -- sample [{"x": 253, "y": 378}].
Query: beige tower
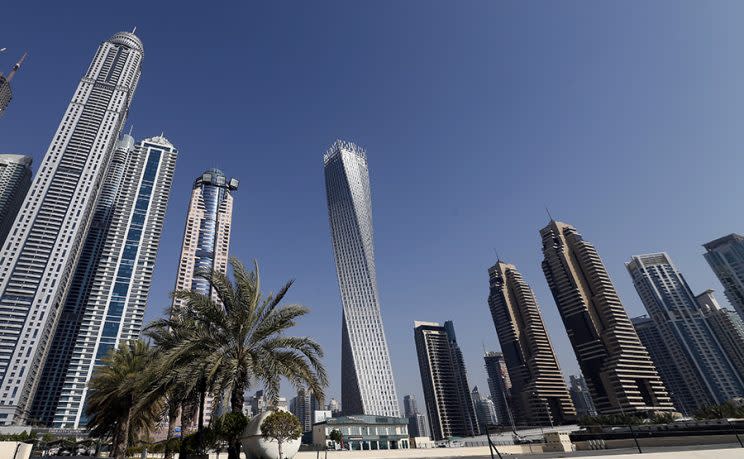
[
  {"x": 539, "y": 392},
  {"x": 618, "y": 370},
  {"x": 206, "y": 239}
]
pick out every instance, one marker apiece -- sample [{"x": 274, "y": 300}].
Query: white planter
[{"x": 257, "y": 447}]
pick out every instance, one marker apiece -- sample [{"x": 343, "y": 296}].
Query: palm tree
[
  {"x": 236, "y": 338},
  {"x": 113, "y": 394}
]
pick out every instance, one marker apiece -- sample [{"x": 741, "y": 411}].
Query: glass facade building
[
  {"x": 39, "y": 257},
  {"x": 367, "y": 384},
  {"x": 707, "y": 374},
  {"x": 725, "y": 256},
  {"x": 112, "y": 281}
]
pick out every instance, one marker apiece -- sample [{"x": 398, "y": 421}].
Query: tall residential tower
[
  {"x": 15, "y": 179},
  {"x": 539, "y": 392},
  {"x": 499, "y": 385},
  {"x": 725, "y": 256},
  {"x": 367, "y": 384},
  {"x": 617, "y": 368},
  {"x": 6, "y": 92},
  {"x": 449, "y": 403},
  {"x": 707, "y": 375},
  {"x": 39, "y": 256},
  {"x": 109, "y": 291}
]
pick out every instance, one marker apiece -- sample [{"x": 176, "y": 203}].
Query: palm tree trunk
[
  {"x": 237, "y": 398},
  {"x": 122, "y": 437},
  {"x": 173, "y": 409}
]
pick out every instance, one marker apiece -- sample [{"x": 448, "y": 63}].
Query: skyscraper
[
  {"x": 109, "y": 291},
  {"x": 485, "y": 411},
  {"x": 39, "y": 256},
  {"x": 304, "y": 406},
  {"x": 727, "y": 326},
  {"x": 417, "y": 426},
  {"x": 616, "y": 366},
  {"x": 539, "y": 393},
  {"x": 6, "y": 92},
  {"x": 206, "y": 238},
  {"x": 707, "y": 375},
  {"x": 15, "y": 179},
  {"x": 580, "y": 396},
  {"x": 444, "y": 380},
  {"x": 682, "y": 398},
  {"x": 367, "y": 384},
  {"x": 725, "y": 256},
  {"x": 499, "y": 385}
]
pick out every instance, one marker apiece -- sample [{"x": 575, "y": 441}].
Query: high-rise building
[
  {"x": 367, "y": 383},
  {"x": 304, "y": 406},
  {"x": 15, "y": 179},
  {"x": 499, "y": 385},
  {"x": 444, "y": 380},
  {"x": 6, "y": 92},
  {"x": 616, "y": 366},
  {"x": 725, "y": 256},
  {"x": 581, "y": 397},
  {"x": 485, "y": 411},
  {"x": 40, "y": 254},
  {"x": 206, "y": 240},
  {"x": 333, "y": 406},
  {"x": 111, "y": 284},
  {"x": 417, "y": 426},
  {"x": 539, "y": 393},
  {"x": 707, "y": 374},
  {"x": 727, "y": 326},
  {"x": 661, "y": 355}
]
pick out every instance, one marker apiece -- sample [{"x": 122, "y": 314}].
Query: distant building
[
  {"x": 15, "y": 180},
  {"x": 333, "y": 406},
  {"x": 417, "y": 426},
  {"x": 708, "y": 375},
  {"x": 6, "y": 91},
  {"x": 444, "y": 379},
  {"x": 580, "y": 396},
  {"x": 725, "y": 256},
  {"x": 618, "y": 370},
  {"x": 363, "y": 432},
  {"x": 367, "y": 383},
  {"x": 259, "y": 402},
  {"x": 499, "y": 385},
  {"x": 304, "y": 406},
  {"x": 539, "y": 394},
  {"x": 485, "y": 411}
]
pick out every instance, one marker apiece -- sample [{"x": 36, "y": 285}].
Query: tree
[
  {"x": 113, "y": 393},
  {"x": 337, "y": 436},
  {"x": 237, "y": 337},
  {"x": 230, "y": 426},
  {"x": 281, "y": 426}
]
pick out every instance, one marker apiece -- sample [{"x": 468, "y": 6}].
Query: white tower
[
  {"x": 40, "y": 254},
  {"x": 367, "y": 385}
]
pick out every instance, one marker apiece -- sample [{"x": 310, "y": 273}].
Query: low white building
[{"x": 362, "y": 433}]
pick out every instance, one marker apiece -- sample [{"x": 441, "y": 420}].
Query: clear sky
[{"x": 625, "y": 119}]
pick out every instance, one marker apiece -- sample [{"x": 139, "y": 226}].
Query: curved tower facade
[
  {"x": 206, "y": 238},
  {"x": 367, "y": 384},
  {"x": 39, "y": 256},
  {"x": 15, "y": 179}
]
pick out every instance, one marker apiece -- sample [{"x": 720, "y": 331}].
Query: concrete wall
[
  {"x": 688, "y": 440},
  {"x": 15, "y": 450}
]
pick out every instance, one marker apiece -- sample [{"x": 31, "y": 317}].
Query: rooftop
[{"x": 128, "y": 39}]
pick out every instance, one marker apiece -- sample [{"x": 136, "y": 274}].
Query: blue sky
[{"x": 625, "y": 119}]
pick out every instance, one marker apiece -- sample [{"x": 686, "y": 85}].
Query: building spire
[
  {"x": 548, "y": 211},
  {"x": 17, "y": 66}
]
